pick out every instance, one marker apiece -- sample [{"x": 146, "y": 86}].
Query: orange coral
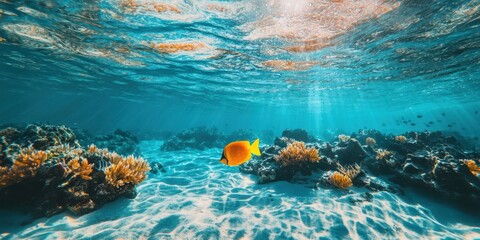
[
  {"x": 370, "y": 142},
  {"x": 400, "y": 139},
  {"x": 383, "y": 154},
  {"x": 81, "y": 168},
  {"x": 128, "y": 170},
  {"x": 474, "y": 169},
  {"x": 296, "y": 153},
  {"x": 340, "y": 180},
  {"x": 177, "y": 46},
  {"x": 25, "y": 166},
  {"x": 92, "y": 148},
  {"x": 114, "y": 157}
]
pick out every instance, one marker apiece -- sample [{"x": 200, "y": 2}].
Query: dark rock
[
  {"x": 282, "y": 142},
  {"x": 157, "y": 167},
  {"x": 197, "y": 138},
  {"x": 121, "y": 142},
  {"x": 298, "y": 135},
  {"x": 10, "y": 134},
  {"x": 351, "y": 153}
]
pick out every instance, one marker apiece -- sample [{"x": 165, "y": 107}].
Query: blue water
[{"x": 358, "y": 64}]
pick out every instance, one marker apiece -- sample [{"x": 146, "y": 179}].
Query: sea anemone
[
  {"x": 400, "y": 139},
  {"x": 474, "y": 169},
  {"x": 370, "y": 142},
  {"x": 127, "y": 170},
  {"x": 383, "y": 154},
  {"x": 340, "y": 180},
  {"x": 296, "y": 153}
]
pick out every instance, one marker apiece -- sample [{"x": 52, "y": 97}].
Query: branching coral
[
  {"x": 297, "y": 153},
  {"x": 127, "y": 170},
  {"x": 400, "y": 139},
  {"x": 383, "y": 154},
  {"x": 351, "y": 171},
  {"x": 340, "y": 180},
  {"x": 370, "y": 142},
  {"x": 81, "y": 168},
  {"x": 25, "y": 166},
  {"x": 474, "y": 169}
]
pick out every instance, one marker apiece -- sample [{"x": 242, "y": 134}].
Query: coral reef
[
  {"x": 343, "y": 138},
  {"x": 400, "y": 139},
  {"x": 383, "y": 154},
  {"x": 44, "y": 167},
  {"x": 430, "y": 161},
  {"x": 297, "y": 153},
  {"x": 127, "y": 170},
  {"x": 340, "y": 180},
  {"x": 370, "y": 142},
  {"x": 474, "y": 169}
]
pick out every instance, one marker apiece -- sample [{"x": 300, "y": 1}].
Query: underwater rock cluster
[
  {"x": 430, "y": 161},
  {"x": 202, "y": 138},
  {"x": 45, "y": 168},
  {"x": 120, "y": 141}
]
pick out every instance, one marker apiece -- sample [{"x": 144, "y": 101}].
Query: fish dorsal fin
[{"x": 254, "y": 147}]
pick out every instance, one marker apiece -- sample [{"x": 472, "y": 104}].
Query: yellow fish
[{"x": 237, "y": 153}]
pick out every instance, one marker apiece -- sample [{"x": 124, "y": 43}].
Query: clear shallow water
[
  {"x": 260, "y": 65},
  {"x": 315, "y": 64},
  {"x": 198, "y": 199}
]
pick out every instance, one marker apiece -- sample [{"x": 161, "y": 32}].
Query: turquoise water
[{"x": 325, "y": 66}]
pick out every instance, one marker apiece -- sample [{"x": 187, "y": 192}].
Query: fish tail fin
[{"x": 254, "y": 147}]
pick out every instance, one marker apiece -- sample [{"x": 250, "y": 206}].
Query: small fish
[
  {"x": 476, "y": 138},
  {"x": 431, "y": 122},
  {"x": 443, "y": 114},
  {"x": 419, "y": 116},
  {"x": 413, "y": 124},
  {"x": 449, "y": 125},
  {"x": 476, "y": 112},
  {"x": 384, "y": 124},
  {"x": 101, "y": 165},
  {"x": 237, "y": 153}
]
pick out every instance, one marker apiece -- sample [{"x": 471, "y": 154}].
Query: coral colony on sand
[
  {"x": 428, "y": 161},
  {"x": 44, "y": 166}
]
